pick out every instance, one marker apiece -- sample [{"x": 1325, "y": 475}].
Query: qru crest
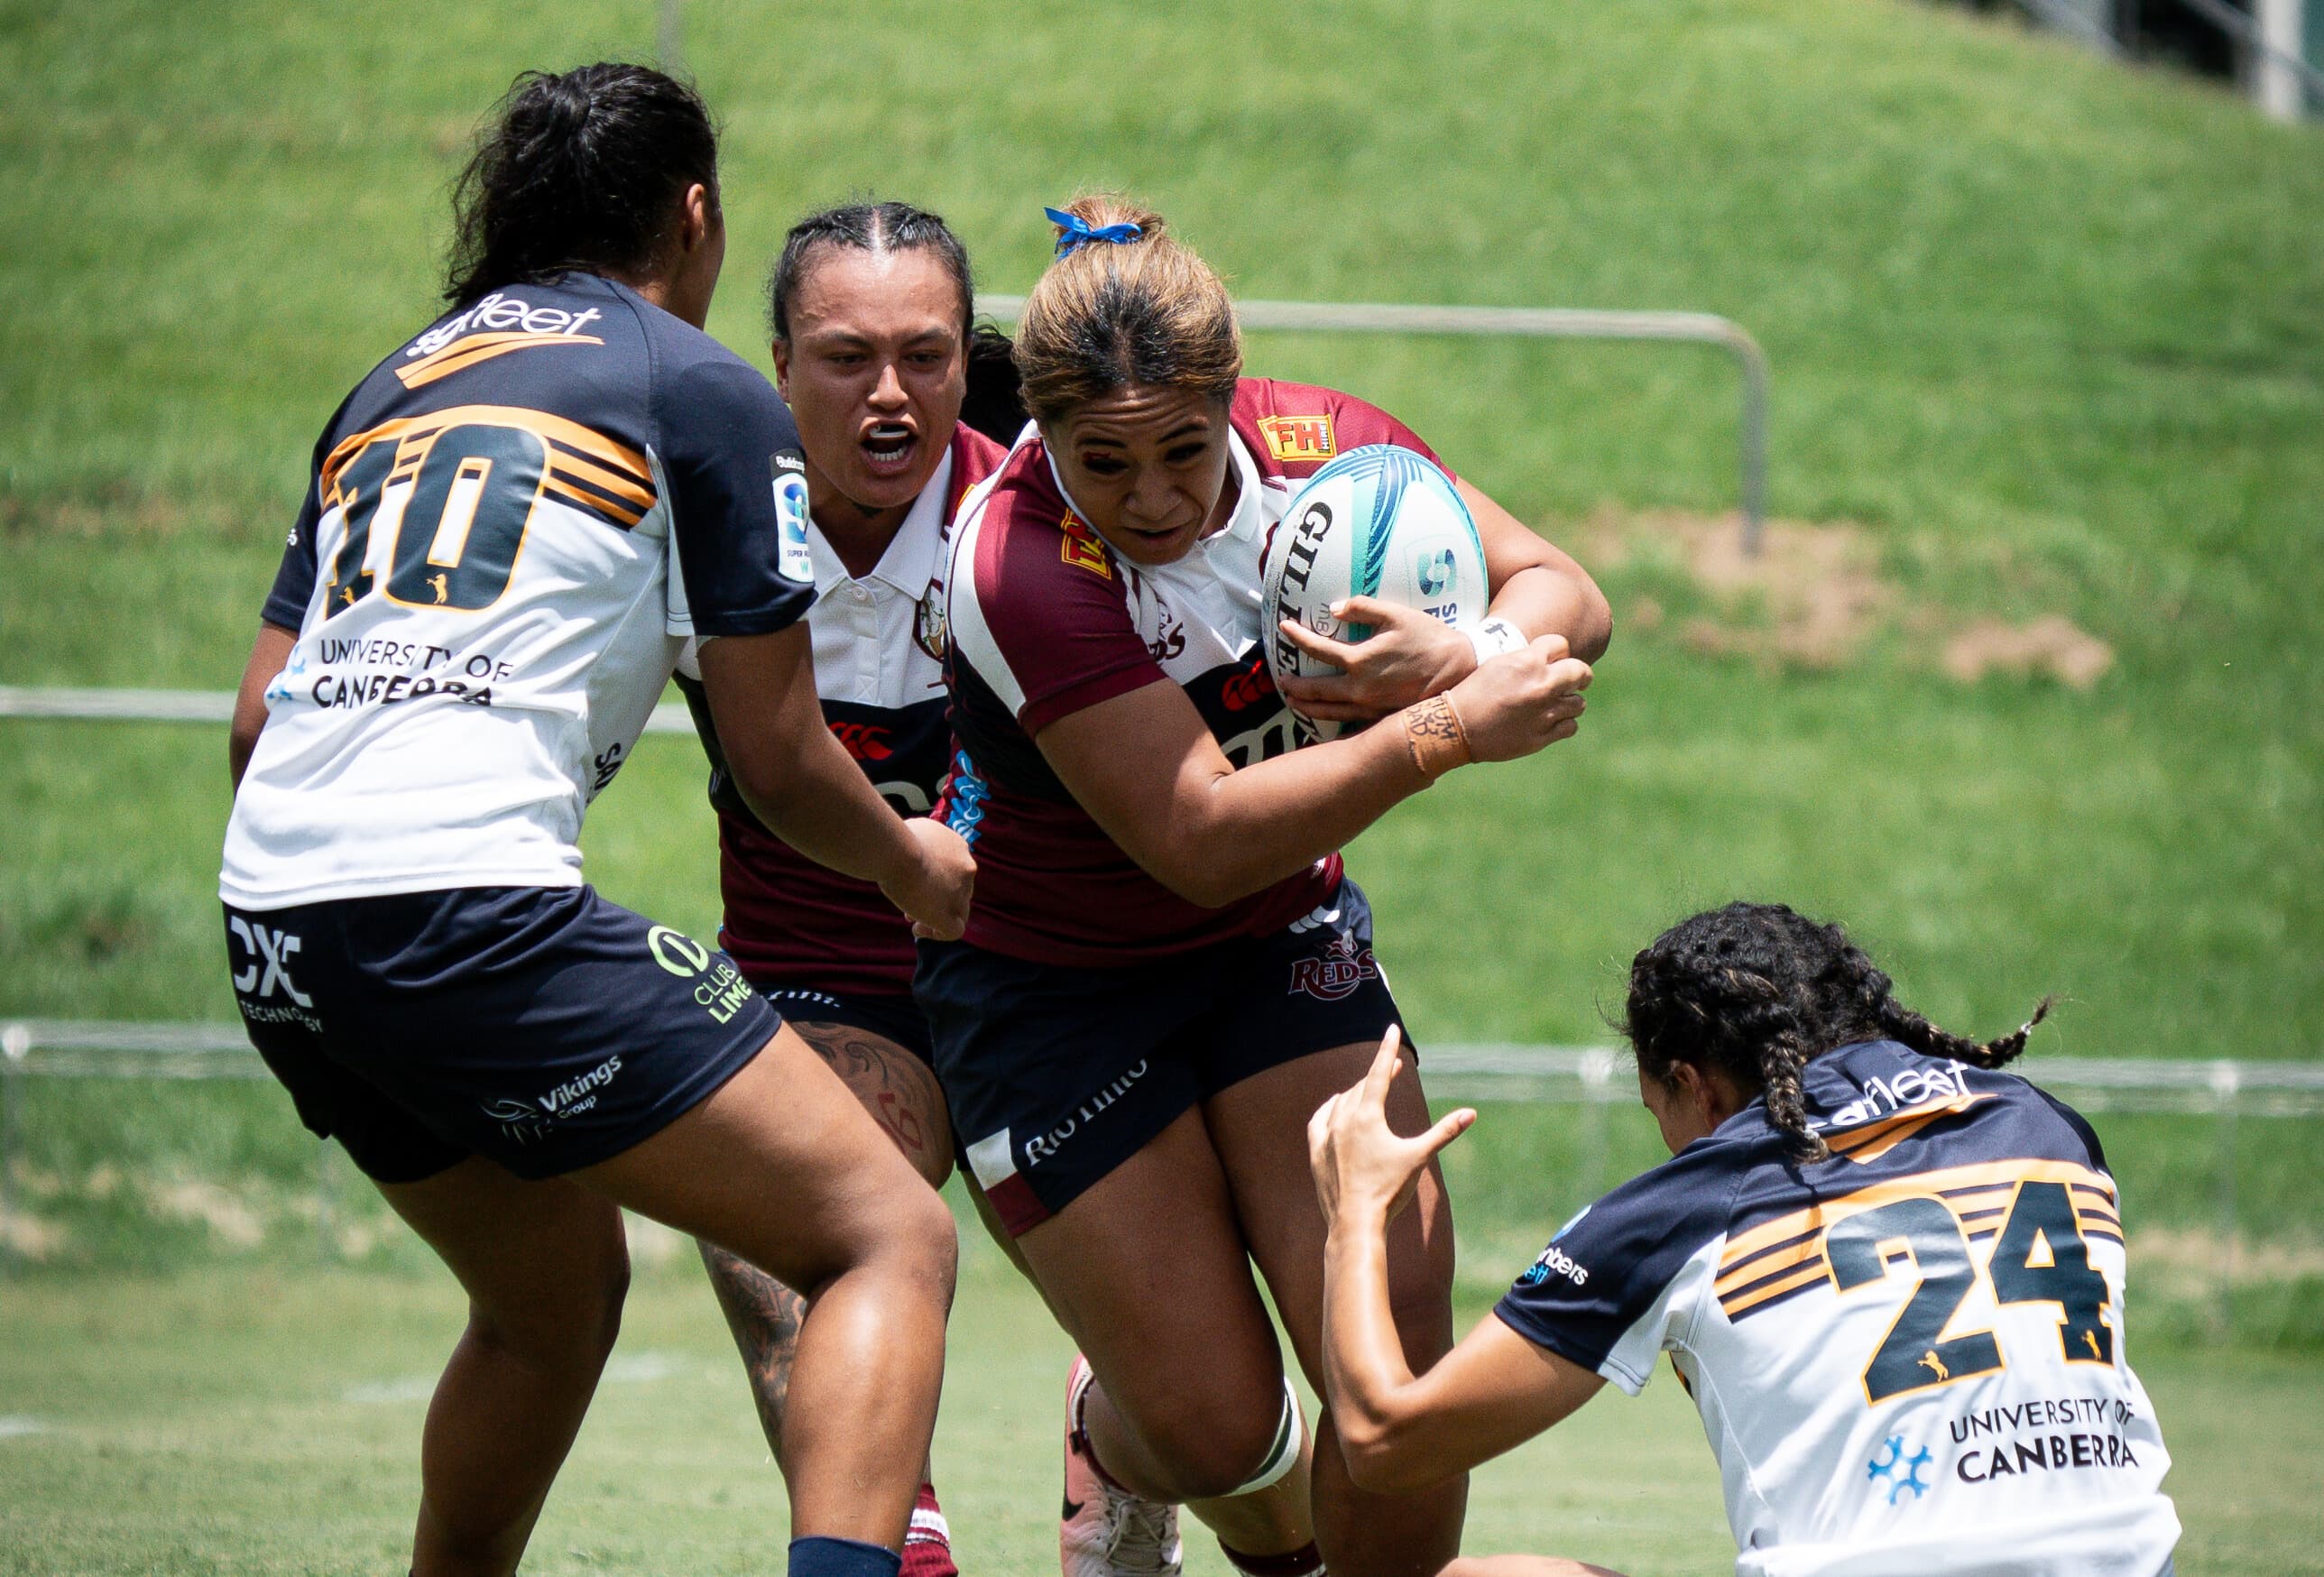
[{"x": 928, "y": 626}]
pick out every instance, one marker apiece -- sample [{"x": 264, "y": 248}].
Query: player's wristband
[
  {"x": 1494, "y": 636},
  {"x": 1434, "y": 734}
]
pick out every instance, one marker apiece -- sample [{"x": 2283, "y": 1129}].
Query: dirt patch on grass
[
  {"x": 2049, "y": 645},
  {"x": 113, "y": 509},
  {"x": 2191, "y": 1253},
  {"x": 28, "y": 1237},
  {"x": 1814, "y": 597},
  {"x": 230, "y": 1219}
]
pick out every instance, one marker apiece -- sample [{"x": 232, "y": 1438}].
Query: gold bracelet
[{"x": 1434, "y": 734}]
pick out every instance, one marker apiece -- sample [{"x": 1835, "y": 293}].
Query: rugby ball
[{"x": 1379, "y": 521}]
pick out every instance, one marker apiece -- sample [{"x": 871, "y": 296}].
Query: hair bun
[{"x": 1097, "y": 210}]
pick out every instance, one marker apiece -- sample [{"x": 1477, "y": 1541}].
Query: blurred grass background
[{"x": 2047, "y": 338}]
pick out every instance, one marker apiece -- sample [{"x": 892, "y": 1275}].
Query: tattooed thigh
[{"x": 896, "y": 1087}]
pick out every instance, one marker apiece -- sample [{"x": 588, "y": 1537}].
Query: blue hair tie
[{"x": 1079, "y": 232}]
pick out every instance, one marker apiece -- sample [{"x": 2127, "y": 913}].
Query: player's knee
[
  {"x": 919, "y": 1239},
  {"x": 568, "y": 1325},
  {"x": 1221, "y": 1445}
]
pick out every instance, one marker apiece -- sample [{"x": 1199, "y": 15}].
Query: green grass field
[
  {"x": 2048, "y": 341},
  {"x": 213, "y": 1424}
]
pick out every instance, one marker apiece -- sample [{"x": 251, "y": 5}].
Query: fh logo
[
  {"x": 271, "y": 951},
  {"x": 1296, "y": 440}
]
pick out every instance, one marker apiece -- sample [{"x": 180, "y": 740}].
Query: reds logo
[
  {"x": 1299, "y": 439},
  {"x": 866, "y": 742},
  {"x": 1344, "y": 965}
]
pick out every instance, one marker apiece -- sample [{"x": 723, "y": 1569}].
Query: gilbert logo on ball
[{"x": 1379, "y": 521}]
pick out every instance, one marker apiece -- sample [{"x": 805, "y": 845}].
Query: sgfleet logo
[
  {"x": 1081, "y": 549},
  {"x": 1299, "y": 439},
  {"x": 496, "y": 324},
  {"x": 1555, "y": 1261},
  {"x": 1912, "y": 1087}
]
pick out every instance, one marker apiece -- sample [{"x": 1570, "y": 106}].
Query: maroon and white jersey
[
  {"x": 1046, "y": 620},
  {"x": 879, "y": 670}
]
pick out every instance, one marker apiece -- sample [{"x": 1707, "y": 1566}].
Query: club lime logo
[{"x": 677, "y": 952}]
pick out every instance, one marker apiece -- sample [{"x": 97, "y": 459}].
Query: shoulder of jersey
[
  {"x": 580, "y": 330},
  {"x": 1294, "y": 429},
  {"x": 974, "y": 457},
  {"x": 1018, "y": 514}
]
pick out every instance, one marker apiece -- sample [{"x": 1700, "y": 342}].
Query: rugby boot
[{"x": 1104, "y": 1530}]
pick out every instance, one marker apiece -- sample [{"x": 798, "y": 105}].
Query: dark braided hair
[
  {"x": 994, "y": 405},
  {"x": 578, "y": 171},
  {"x": 1757, "y": 992}
]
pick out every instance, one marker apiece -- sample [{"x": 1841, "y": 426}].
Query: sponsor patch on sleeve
[
  {"x": 794, "y": 562},
  {"x": 1080, "y": 547},
  {"x": 1299, "y": 439}
]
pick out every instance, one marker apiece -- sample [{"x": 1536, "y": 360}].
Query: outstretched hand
[{"x": 1363, "y": 1168}]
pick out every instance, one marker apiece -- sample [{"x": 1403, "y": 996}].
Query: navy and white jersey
[
  {"x": 1909, "y": 1359},
  {"x": 513, "y": 524}
]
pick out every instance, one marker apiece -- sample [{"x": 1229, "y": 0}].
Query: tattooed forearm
[{"x": 764, "y": 1316}]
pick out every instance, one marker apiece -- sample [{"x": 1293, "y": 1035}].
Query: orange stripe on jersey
[
  {"x": 414, "y": 431},
  {"x": 601, "y": 506},
  {"x": 620, "y": 486},
  {"x": 1743, "y": 1272},
  {"x": 1867, "y": 1144},
  {"x": 1819, "y": 1217},
  {"x": 1741, "y": 1301},
  {"x": 463, "y": 354}
]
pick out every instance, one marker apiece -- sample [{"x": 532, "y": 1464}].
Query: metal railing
[
  {"x": 1535, "y": 323},
  {"x": 1589, "y": 1078}
]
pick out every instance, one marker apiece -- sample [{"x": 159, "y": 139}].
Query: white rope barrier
[
  {"x": 211, "y": 706},
  {"x": 1556, "y": 1074}
]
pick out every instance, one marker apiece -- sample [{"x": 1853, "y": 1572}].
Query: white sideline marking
[
  {"x": 15, "y": 1425},
  {"x": 637, "y": 1368}
]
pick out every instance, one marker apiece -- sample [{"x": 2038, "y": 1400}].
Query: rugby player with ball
[{"x": 1166, "y": 972}]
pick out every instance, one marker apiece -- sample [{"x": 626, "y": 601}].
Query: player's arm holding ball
[
  {"x": 1538, "y": 590},
  {"x": 1213, "y": 833}
]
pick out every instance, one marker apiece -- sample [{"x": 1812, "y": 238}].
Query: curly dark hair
[
  {"x": 581, "y": 169},
  {"x": 1757, "y": 992}
]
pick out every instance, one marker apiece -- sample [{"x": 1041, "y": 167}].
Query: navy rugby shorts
[
  {"x": 896, "y": 1018},
  {"x": 543, "y": 1027},
  {"x": 1055, "y": 1076}
]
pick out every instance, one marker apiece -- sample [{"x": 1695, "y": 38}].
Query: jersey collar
[{"x": 909, "y": 564}]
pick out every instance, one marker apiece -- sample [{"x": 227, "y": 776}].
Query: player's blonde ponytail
[{"x": 1124, "y": 303}]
